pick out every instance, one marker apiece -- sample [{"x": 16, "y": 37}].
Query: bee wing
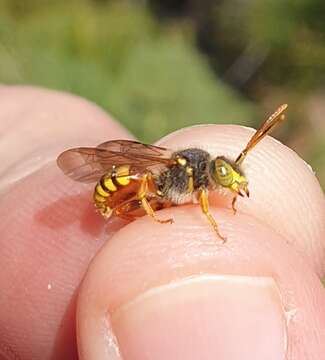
[
  {"x": 87, "y": 164},
  {"x": 263, "y": 130}
]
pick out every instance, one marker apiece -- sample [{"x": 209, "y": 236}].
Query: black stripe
[
  {"x": 114, "y": 180},
  {"x": 102, "y": 184}
]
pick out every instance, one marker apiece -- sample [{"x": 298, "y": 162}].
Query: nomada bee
[{"x": 134, "y": 178}]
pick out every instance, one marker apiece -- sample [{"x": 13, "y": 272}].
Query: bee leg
[
  {"x": 204, "y": 202},
  {"x": 233, "y": 203},
  {"x": 145, "y": 203},
  {"x": 105, "y": 211},
  {"x": 127, "y": 217},
  {"x": 123, "y": 210},
  {"x": 150, "y": 211}
]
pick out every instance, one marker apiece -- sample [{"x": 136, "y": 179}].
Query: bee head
[{"x": 227, "y": 175}]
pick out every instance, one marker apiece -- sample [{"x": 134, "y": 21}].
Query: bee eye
[{"x": 223, "y": 172}]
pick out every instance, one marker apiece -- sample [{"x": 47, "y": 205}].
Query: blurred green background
[{"x": 161, "y": 65}]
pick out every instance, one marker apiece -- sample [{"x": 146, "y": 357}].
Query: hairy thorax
[{"x": 173, "y": 183}]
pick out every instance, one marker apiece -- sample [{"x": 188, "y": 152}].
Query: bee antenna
[{"x": 273, "y": 120}]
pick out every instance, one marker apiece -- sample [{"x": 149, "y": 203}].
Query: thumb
[
  {"x": 158, "y": 291},
  {"x": 161, "y": 291}
]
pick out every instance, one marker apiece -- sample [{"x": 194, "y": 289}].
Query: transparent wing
[
  {"x": 263, "y": 130},
  {"x": 87, "y": 164}
]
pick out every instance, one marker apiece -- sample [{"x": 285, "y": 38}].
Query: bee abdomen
[
  {"x": 108, "y": 185},
  {"x": 100, "y": 199}
]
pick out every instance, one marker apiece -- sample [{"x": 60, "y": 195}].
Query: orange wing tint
[{"x": 87, "y": 164}]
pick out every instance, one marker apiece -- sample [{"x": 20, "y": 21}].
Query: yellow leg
[
  {"x": 105, "y": 211},
  {"x": 124, "y": 210},
  {"x": 149, "y": 210},
  {"x": 145, "y": 203},
  {"x": 204, "y": 202},
  {"x": 233, "y": 203}
]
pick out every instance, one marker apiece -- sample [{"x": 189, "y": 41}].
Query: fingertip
[
  {"x": 284, "y": 191},
  {"x": 37, "y": 124},
  {"x": 149, "y": 289},
  {"x": 49, "y": 230}
]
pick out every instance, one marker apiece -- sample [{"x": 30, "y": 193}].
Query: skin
[{"x": 159, "y": 290}]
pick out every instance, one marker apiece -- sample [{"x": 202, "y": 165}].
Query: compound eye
[{"x": 224, "y": 172}]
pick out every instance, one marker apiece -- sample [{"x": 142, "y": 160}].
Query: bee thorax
[{"x": 177, "y": 183}]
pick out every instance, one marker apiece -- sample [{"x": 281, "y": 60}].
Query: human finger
[
  {"x": 49, "y": 230},
  {"x": 284, "y": 191},
  {"x": 159, "y": 291},
  {"x": 36, "y": 124},
  {"x": 155, "y": 288}
]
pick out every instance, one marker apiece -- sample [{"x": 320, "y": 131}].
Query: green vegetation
[
  {"x": 158, "y": 66},
  {"x": 149, "y": 77}
]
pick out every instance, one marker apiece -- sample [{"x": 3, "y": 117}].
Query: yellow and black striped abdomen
[{"x": 108, "y": 185}]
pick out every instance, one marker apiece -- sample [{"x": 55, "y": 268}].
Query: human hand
[{"x": 167, "y": 291}]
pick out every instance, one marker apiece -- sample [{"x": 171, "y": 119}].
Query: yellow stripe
[
  {"x": 123, "y": 180},
  {"x": 99, "y": 189},
  {"x": 109, "y": 184},
  {"x": 98, "y": 198}
]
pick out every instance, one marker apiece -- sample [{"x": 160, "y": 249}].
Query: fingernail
[{"x": 204, "y": 317}]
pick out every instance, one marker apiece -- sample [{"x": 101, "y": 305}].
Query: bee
[{"x": 133, "y": 179}]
